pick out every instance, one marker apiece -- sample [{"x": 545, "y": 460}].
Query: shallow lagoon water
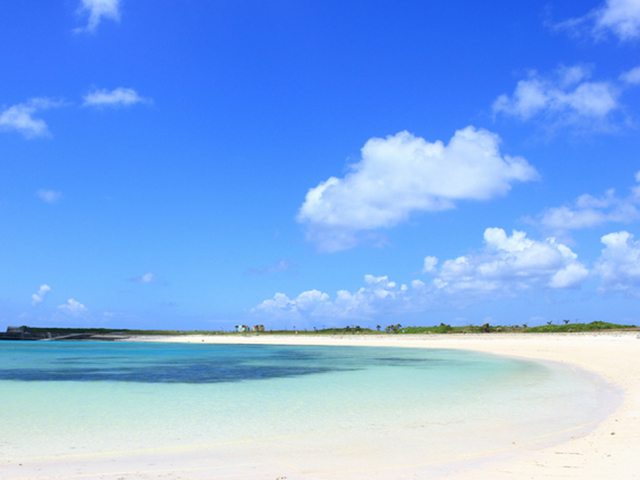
[{"x": 95, "y": 398}]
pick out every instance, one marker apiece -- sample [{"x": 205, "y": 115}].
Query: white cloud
[
  {"x": 566, "y": 98},
  {"x": 145, "y": 278},
  {"x": 619, "y": 264},
  {"x": 506, "y": 266},
  {"x": 97, "y": 10},
  {"x": 73, "y": 308},
  {"x": 20, "y": 117},
  {"x": 378, "y": 296},
  {"x": 401, "y": 174},
  {"x": 622, "y": 17},
  {"x": 511, "y": 263},
  {"x": 618, "y": 17},
  {"x": 119, "y": 97},
  {"x": 632, "y": 76},
  {"x": 571, "y": 275},
  {"x": 281, "y": 306},
  {"x": 429, "y": 264},
  {"x": 588, "y": 211},
  {"x": 39, "y": 297},
  {"x": 49, "y": 196}
]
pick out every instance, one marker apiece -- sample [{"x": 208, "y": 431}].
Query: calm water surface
[{"x": 61, "y": 398}]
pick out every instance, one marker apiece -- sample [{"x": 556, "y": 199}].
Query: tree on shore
[{"x": 393, "y": 328}]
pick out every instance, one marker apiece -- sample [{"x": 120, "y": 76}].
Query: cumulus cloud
[
  {"x": 619, "y": 263},
  {"x": 97, "y": 10},
  {"x": 565, "y": 98},
  {"x": 588, "y": 211},
  {"x": 39, "y": 297},
  {"x": 49, "y": 196},
  {"x": 429, "y": 264},
  {"x": 145, "y": 278},
  {"x": 505, "y": 266},
  {"x": 21, "y": 117},
  {"x": 618, "y": 17},
  {"x": 511, "y": 263},
  {"x": 632, "y": 76},
  {"x": 73, "y": 308},
  {"x": 401, "y": 174},
  {"x": 119, "y": 97},
  {"x": 376, "y": 297}
]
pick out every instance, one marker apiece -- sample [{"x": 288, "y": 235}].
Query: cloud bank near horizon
[
  {"x": 505, "y": 266},
  {"x": 74, "y": 308}
]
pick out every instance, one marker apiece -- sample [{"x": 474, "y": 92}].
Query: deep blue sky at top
[{"x": 180, "y": 209}]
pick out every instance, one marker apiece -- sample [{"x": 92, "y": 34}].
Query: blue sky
[{"x": 195, "y": 164}]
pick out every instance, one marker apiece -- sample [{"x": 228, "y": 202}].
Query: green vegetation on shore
[
  {"x": 566, "y": 326},
  {"x": 549, "y": 328}
]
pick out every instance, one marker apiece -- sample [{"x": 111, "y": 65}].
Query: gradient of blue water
[
  {"x": 153, "y": 363},
  {"x": 62, "y": 398}
]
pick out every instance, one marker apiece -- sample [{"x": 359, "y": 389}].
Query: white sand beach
[{"x": 610, "y": 451}]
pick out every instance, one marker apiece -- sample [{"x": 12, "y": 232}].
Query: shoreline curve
[{"x": 611, "y": 450}]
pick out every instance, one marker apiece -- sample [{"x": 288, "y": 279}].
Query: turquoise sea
[{"x": 96, "y": 398}]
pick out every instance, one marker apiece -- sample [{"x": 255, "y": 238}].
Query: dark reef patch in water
[
  {"x": 193, "y": 364},
  {"x": 179, "y": 373}
]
